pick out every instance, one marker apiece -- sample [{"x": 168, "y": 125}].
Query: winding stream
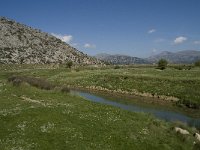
[{"x": 167, "y": 115}]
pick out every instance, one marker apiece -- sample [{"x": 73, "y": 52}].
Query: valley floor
[
  {"x": 179, "y": 86},
  {"x": 33, "y": 118}
]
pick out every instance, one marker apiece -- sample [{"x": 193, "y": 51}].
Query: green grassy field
[
  {"x": 32, "y": 118},
  {"x": 182, "y": 84},
  {"x": 173, "y": 83}
]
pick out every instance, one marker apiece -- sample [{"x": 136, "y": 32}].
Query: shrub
[
  {"x": 12, "y": 78},
  {"x": 117, "y": 67},
  {"x": 188, "y": 104},
  {"x": 37, "y": 82},
  {"x": 65, "y": 90},
  {"x": 197, "y": 63},
  {"x": 69, "y": 64},
  {"x": 17, "y": 82},
  {"x": 162, "y": 64},
  {"x": 183, "y": 67}
]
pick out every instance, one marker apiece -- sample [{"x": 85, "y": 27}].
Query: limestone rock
[{"x": 20, "y": 44}]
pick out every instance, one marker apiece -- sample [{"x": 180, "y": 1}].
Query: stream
[{"x": 167, "y": 115}]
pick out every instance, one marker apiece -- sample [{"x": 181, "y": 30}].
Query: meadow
[
  {"x": 179, "y": 86},
  {"x": 34, "y": 118}
]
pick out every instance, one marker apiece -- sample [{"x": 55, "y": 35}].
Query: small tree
[
  {"x": 162, "y": 64},
  {"x": 69, "y": 64},
  {"x": 197, "y": 63}
]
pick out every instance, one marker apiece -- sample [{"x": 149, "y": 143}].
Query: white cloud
[
  {"x": 152, "y": 31},
  {"x": 180, "y": 40},
  {"x": 87, "y": 45},
  {"x": 196, "y": 42},
  {"x": 64, "y": 38}
]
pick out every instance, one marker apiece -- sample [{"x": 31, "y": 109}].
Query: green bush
[
  {"x": 162, "y": 64},
  {"x": 69, "y": 64},
  {"x": 197, "y": 63},
  {"x": 65, "y": 90},
  {"x": 183, "y": 67},
  {"x": 36, "y": 82},
  {"x": 117, "y": 67}
]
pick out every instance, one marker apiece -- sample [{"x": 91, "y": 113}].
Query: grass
[
  {"x": 142, "y": 80},
  {"x": 182, "y": 84},
  {"x": 34, "y": 118}
]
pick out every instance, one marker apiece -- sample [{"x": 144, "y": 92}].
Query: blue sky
[{"x": 132, "y": 27}]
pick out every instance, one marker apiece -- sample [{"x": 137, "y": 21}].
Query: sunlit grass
[
  {"x": 32, "y": 118},
  {"x": 69, "y": 122}
]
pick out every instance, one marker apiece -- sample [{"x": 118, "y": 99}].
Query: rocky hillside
[
  {"x": 120, "y": 59},
  {"x": 181, "y": 57},
  {"x": 20, "y": 44}
]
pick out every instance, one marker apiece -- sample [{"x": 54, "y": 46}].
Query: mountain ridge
[
  {"x": 179, "y": 57},
  {"x": 120, "y": 59},
  {"x": 21, "y": 44}
]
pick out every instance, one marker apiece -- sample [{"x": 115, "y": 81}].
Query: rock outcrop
[{"x": 20, "y": 44}]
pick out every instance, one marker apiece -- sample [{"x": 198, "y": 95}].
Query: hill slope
[
  {"x": 20, "y": 44},
  {"x": 184, "y": 57},
  {"x": 121, "y": 59}
]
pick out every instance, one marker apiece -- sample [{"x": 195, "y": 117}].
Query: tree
[
  {"x": 197, "y": 63},
  {"x": 69, "y": 64},
  {"x": 162, "y": 64}
]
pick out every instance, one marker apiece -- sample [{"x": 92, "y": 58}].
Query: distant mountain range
[
  {"x": 20, "y": 44},
  {"x": 121, "y": 59},
  {"x": 181, "y": 57}
]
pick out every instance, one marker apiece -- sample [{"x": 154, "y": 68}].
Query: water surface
[{"x": 167, "y": 115}]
